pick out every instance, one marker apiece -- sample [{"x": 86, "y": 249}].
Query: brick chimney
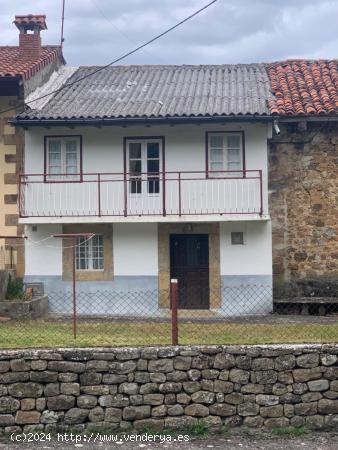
[{"x": 29, "y": 37}]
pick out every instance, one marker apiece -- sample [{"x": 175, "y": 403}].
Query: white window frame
[
  {"x": 145, "y": 176},
  {"x": 88, "y": 245},
  {"x": 223, "y": 160},
  {"x": 64, "y": 175}
]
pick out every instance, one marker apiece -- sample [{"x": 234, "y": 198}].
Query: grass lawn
[{"x": 43, "y": 333}]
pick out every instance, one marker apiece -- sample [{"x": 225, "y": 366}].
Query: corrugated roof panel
[{"x": 160, "y": 91}]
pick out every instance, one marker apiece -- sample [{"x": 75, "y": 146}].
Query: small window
[
  {"x": 225, "y": 154},
  {"x": 89, "y": 253},
  {"x": 63, "y": 158},
  {"x": 237, "y": 238}
]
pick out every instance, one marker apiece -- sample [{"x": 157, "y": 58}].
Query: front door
[{"x": 189, "y": 263}]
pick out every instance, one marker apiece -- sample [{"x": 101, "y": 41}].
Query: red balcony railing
[{"x": 147, "y": 194}]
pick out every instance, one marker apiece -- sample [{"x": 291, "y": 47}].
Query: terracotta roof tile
[
  {"x": 30, "y": 19},
  {"x": 304, "y": 87},
  {"x": 11, "y": 64}
]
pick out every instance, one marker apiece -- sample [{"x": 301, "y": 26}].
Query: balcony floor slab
[{"x": 148, "y": 219}]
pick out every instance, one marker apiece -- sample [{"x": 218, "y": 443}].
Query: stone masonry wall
[
  {"x": 303, "y": 185},
  {"x": 168, "y": 387}
]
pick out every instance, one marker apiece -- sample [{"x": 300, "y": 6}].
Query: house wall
[
  {"x": 139, "y": 283},
  {"x": 303, "y": 205},
  {"x": 246, "y": 270}
]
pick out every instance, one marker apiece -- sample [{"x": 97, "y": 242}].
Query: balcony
[{"x": 159, "y": 197}]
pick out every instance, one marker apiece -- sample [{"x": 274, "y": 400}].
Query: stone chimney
[{"x": 29, "y": 37}]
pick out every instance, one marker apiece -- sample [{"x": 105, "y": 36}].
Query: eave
[{"x": 118, "y": 121}]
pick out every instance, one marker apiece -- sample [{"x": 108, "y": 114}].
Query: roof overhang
[
  {"x": 321, "y": 118},
  {"x": 119, "y": 121}
]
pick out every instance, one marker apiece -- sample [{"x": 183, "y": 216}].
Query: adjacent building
[{"x": 22, "y": 69}]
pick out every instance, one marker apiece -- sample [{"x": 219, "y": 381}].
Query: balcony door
[
  {"x": 144, "y": 162},
  {"x": 189, "y": 263}
]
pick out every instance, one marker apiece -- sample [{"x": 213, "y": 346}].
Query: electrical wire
[
  {"x": 29, "y": 243},
  {"x": 125, "y": 35},
  {"x": 125, "y": 55}
]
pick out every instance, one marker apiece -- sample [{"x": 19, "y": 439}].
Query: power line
[
  {"x": 125, "y": 35},
  {"x": 131, "y": 52}
]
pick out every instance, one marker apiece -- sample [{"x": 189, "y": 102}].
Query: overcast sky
[{"x": 230, "y": 31}]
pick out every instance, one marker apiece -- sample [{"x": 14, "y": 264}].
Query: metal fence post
[{"x": 174, "y": 304}]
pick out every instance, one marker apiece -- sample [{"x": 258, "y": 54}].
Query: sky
[{"x": 228, "y": 32}]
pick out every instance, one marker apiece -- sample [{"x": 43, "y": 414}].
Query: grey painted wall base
[{"x": 138, "y": 296}]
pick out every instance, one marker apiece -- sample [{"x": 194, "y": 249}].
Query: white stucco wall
[
  {"x": 252, "y": 258},
  {"x": 135, "y": 249},
  {"x": 44, "y": 257}
]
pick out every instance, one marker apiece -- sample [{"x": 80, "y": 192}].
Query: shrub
[{"x": 15, "y": 289}]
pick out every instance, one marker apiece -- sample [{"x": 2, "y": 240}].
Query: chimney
[{"x": 29, "y": 37}]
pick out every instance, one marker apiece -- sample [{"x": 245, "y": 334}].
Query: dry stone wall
[
  {"x": 303, "y": 186},
  {"x": 168, "y": 387}
]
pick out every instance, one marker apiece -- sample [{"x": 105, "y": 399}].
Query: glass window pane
[
  {"x": 234, "y": 155},
  {"x": 135, "y": 166},
  {"x": 71, "y": 158},
  {"x": 135, "y": 187},
  {"x": 54, "y": 156},
  {"x": 216, "y": 140},
  {"x": 234, "y": 166},
  {"x": 234, "y": 141},
  {"x": 54, "y": 145},
  {"x": 237, "y": 238},
  {"x": 216, "y": 166},
  {"x": 135, "y": 150},
  {"x": 216, "y": 154},
  {"x": 153, "y": 185},
  {"x": 153, "y": 165},
  {"x": 71, "y": 146},
  {"x": 153, "y": 150}
]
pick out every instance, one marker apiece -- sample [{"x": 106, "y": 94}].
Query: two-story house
[
  {"x": 23, "y": 68},
  {"x": 168, "y": 166}
]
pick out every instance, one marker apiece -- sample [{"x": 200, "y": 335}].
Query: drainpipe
[{"x": 276, "y": 127}]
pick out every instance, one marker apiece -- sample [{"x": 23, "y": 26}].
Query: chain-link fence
[{"x": 242, "y": 314}]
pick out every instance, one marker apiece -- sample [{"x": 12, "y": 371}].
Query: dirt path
[{"x": 318, "y": 441}]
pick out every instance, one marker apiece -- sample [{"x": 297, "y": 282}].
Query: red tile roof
[
  {"x": 11, "y": 64},
  {"x": 304, "y": 87}
]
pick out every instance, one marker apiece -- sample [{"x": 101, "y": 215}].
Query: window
[
  {"x": 89, "y": 253},
  {"x": 63, "y": 158},
  {"x": 144, "y": 165},
  {"x": 237, "y": 238},
  {"x": 225, "y": 154}
]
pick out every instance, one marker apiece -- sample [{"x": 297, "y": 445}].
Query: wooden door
[{"x": 189, "y": 263}]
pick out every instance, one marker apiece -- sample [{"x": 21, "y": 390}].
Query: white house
[{"x": 167, "y": 165}]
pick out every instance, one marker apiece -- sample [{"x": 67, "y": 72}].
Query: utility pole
[{"x": 62, "y": 22}]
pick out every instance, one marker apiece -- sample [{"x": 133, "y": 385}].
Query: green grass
[
  {"x": 290, "y": 431},
  {"x": 47, "y": 333}
]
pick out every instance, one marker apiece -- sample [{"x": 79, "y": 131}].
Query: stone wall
[
  {"x": 168, "y": 387},
  {"x": 303, "y": 185}
]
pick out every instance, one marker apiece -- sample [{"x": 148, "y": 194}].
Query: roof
[
  {"x": 304, "y": 87},
  {"x": 159, "y": 92},
  {"x": 12, "y": 65},
  {"x": 287, "y": 89},
  {"x": 30, "y": 21}
]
